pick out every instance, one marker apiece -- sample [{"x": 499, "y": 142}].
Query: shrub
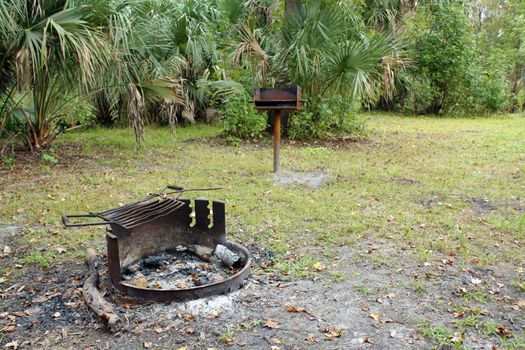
[
  {"x": 334, "y": 116},
  {"x": 241, "y": 120}
]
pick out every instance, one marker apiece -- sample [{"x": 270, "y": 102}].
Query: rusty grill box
[{"x": 284, "y": 98}]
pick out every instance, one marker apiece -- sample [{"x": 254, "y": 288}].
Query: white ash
[{"x": 178, "y": 269}]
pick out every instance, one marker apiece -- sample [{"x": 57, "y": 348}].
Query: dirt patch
[
  {"x": 405, "y": 181},
  {"x": 336, "y": 143},
  {"x": 311, "y": 180},
  {"x": 373, "y": 295},
  {"x": 482, "y": 205}
]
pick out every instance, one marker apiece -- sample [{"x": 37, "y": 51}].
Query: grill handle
[{"x": 65, "y": 220}]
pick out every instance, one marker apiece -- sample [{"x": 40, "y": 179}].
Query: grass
[{"x": 455, "y": 162}]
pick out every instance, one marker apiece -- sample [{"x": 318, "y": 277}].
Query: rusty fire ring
[{"x": 160, "y": 223}]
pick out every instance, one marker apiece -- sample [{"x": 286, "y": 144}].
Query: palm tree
[
  {"x": 53, "y": 48},
  {"x": 327, "y": 53}
]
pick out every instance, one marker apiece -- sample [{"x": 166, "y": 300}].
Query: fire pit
[{"x": 164, "y": 248}]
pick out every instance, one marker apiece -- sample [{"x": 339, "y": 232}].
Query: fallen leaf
[
  {"x": 318, "y": 266},
  {"x": 189, "y": 330},
  {"x": 310, "y": 338},
  {"x": 213, "y": 314},
  {"x": 187, "y": 318},
  {"x": 12, "y": 345},
  {"x": 504, "y": 331},
  {"x": 141, "y": 282},
  {"x": 10, "y": 329},
  {"x": 521, "y": 304},
  {"x": 459, "y": 314},
  {"x": 292, "y": 308},
  {"x": 148, "y": 344},
  {"x": 475, "y": 281},
  {"x": 458, "y": 338},
  {"x": 60, "y": 250},
  {"x": 332, "y": 332},
  {"x": 7, "y": 250},
  {"x": 271, "y": 324},
  {"x": 375, "y": 315},
  {"x": 277, "y": 341},
  {"x": 158, "y": 329}
]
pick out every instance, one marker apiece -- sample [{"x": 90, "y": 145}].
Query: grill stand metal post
[
  {"x": 277, "y": 141},
  {"x": 277, "y": 100}
]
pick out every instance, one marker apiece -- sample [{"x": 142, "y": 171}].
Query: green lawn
[{"x": 439, "y": 186}]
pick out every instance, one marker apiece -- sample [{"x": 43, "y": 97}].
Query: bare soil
[{"x": 379, "y": 299}]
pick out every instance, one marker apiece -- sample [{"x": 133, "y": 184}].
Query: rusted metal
[
  {"x": 277, "y": 99},
  {"x": 277, "y": 141},
  {"x": 158, "y": 224}
]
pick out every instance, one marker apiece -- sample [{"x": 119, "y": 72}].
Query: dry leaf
[
  {"x": 375, "y": 315},
  {"x": 521, "y": 304},
  {"x": 459, "y": 314},
  {"x": 458, "y": 338},
  {"x": 277, "y": 341},
  {"x": 475, "y": 281},
  {"x": 271, "y": 324},
  {"x": 40, "y": 299},
  {"x": 187, "y": 318},
  {"x": 310, "y": 339},
  {"x": 504, "y": 331},
  {"x": 148, "y": 344},
  {"x": 12, "y": 345},
  {"x": 182, "y": 285},
  {"x": 189, "y": 330},
  {"x": 158, "y": 329},
  {"x": 318, "y": 266},
  {"x": 332, "y": 332},
  {"x": 213, "y": 314},
  {"x": 60, "y": 250},
  {"x": 141, "y": 282}
]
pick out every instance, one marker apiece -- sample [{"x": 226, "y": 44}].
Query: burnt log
[{"x": 94, "y": 300}]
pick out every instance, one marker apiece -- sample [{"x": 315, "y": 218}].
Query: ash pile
[{"x": 183, "y": 267}]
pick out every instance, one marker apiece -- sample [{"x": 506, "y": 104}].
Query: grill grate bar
[
  {"x": 136, "y": 210},
  {"x": 140, "y": 218}
]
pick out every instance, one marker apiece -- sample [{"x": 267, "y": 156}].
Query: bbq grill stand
[{"x": 277, "y": 99}]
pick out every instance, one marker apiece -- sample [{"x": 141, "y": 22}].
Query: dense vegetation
[{"x": 65, "y": 63}]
